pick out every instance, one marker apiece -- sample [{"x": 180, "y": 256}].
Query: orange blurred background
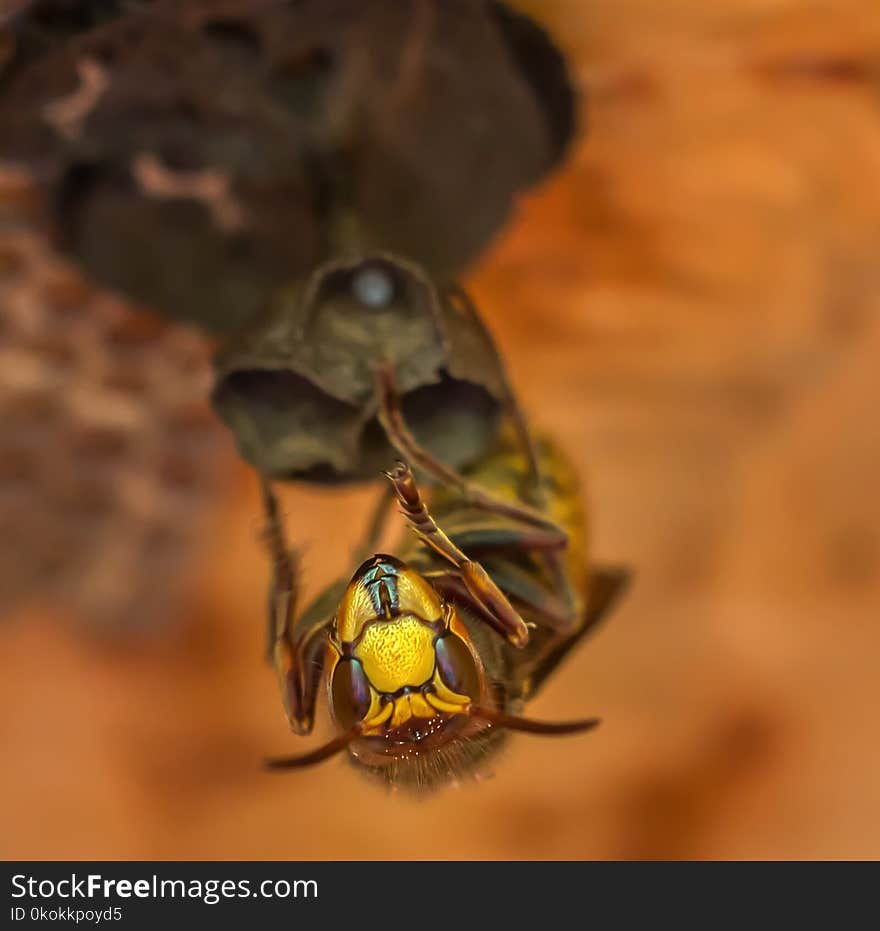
[{"x": 693, "y": 306}]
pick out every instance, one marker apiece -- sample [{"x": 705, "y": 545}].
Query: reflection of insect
[{"x": 431, "y": 656}]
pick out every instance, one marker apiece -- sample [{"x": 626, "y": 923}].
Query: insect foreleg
[
  {"x": 282, "y": 593},
  {"x": 547, "y": 606},
  {"x": 492, "y": 601},
  {"x": 298, "y": 655}
]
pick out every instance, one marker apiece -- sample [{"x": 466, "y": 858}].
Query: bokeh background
[{"x": 693, "y": 306}]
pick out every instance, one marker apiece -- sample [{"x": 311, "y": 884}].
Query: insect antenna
[
  {"x": 330, "y": 749},
  {"x": 512, "y": 722}
]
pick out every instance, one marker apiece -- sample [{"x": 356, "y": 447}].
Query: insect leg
[
  {"x": 298, "y": 655},
  {"x": 394, "y": 423},
  {"x": 463, "y": 302},
  {"x": 282, "y": 595},
  {"x": 491, "y": 601},
  {"x": 546, "y": 606},
  {"x": 506, "y": 537},
  {"x": 553, "y": 601}
]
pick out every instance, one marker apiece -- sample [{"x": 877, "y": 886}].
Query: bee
[{"x": 430, "y": 655}]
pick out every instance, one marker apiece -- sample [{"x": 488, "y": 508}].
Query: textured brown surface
[
  {"x": 108, "y": 452},
  {"x": 694, "y": 305},
  {"x": 200, "y": 154}
]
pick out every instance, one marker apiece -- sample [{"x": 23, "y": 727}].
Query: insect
[{"x": 430, "y": 655}]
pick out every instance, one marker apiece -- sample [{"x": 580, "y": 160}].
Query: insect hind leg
[{"x": 401, "y": 437}]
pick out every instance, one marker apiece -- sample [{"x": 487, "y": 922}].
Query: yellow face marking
[
  {"x": 410, "y": 706},
  {"x": 413, "y": 593},
  {"x": 378, "y": 714},
  {"x": 444, "y": 699},
  {"x": 355, "y": 609},
  {"x": 417, "y": 596},
  {"x": 414, "y": 705},
  {"x": 397, "y": 653}
]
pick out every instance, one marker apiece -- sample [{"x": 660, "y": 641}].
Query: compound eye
[
  {"x": 350, "y": 693},
  {"x": 457, "y": 667}
]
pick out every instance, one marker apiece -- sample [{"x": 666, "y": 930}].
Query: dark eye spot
[
  {"x": 351, "y": 693},
  {"x": 457, "y": 667}
]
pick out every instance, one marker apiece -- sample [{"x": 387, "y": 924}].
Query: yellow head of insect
[{"x": 401, "y": 662}]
